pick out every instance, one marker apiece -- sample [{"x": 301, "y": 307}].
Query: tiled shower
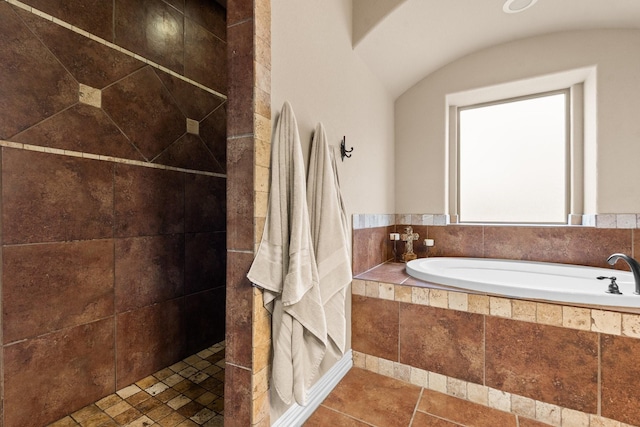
[{"x": 113, "y": 130}]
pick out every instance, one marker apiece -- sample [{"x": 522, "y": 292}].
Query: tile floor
[
  {"x": 367, "y": 399},
  {"x": 186, "y": 394}
]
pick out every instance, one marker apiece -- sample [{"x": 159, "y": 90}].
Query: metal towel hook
[{"x": 343, "y": 151}]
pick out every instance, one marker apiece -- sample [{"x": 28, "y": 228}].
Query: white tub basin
[{"x": 529, "y": 280}]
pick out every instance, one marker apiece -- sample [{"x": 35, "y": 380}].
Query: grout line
[
  {"x": 599, "y": 385},
  {"x": 415, "y": 408}
]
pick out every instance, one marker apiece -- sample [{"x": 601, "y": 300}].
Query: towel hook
[{"x": 343, "y": 151}]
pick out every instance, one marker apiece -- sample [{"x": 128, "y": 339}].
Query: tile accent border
[
  {"x": 487, "y": 396},
  {"x": 70, "y": 153},
  {"x": 608, "y": 220},
  {"x": 110, "y": 45},
  {"x": 580, "y": 318}
]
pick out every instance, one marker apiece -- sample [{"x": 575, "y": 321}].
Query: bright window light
[{"x": 513, "y": 161}]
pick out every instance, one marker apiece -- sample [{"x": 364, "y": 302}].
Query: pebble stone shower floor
[{"x": 189, "y": 393}]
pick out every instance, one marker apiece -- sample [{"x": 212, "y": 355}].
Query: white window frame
[{"x": 582, "y": 129}]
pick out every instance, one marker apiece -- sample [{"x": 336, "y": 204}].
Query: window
[{"x": 513, "y": 160}]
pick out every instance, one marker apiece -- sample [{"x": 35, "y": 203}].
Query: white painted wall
[
  {"x": 314, "y": 67},
  {"x": 420, "y": 114}
]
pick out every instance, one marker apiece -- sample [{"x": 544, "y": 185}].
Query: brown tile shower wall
[
  {"x": 570, "y": 245},
  {"x": 113, "y": 196}
]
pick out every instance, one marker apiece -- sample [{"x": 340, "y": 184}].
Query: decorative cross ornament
[{"x": 409, "y": 236}]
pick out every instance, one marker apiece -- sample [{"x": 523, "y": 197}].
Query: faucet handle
[{"x": 613, "y": 286}]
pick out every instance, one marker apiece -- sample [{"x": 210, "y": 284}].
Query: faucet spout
[{"x": 633, "y": 265}]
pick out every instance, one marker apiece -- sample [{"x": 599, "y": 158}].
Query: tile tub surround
[
  {"x": 558, "y": 364},
  {"x": 113, "y": 202},
  {"x": 570, "y": 245}
]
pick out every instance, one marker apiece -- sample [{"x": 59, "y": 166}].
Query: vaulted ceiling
[{"x": 403, "y": 41}]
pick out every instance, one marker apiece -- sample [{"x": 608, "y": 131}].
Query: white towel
[
  {"x": 286, "y": 269},
  {"x": 329, "y": 231}
]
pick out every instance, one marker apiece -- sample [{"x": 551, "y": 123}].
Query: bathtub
[{"x": 528, "y": 280}]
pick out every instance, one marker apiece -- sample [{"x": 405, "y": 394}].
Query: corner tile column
[{"x": 248, "y": 145}]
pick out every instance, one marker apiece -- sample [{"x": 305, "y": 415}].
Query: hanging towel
[
  {"x": 329, "y": 232},
  {"x": 286, "y": 269}
]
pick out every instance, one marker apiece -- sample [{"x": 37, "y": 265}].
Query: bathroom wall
[
  {"x": 325, "y": 81},
  {"x": 315, "y": 68},
  {"x": 421, "y": 141},
  {"x": 113, "y": 135}
]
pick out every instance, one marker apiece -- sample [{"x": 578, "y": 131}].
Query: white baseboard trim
[{"x": 296, "y": 415}]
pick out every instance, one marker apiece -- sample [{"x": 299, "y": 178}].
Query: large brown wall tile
[
  {"x": 213, "y": 131},
  {"x": 374, "y": 327},
  {"x": 95, "y": 16},
  {"x": 194, "y": 102},
  {"x": 153, "y": 29},
  {"x": 239, "y": 10},
  {"x": 205, "y": 261},
  {"x": 35, "y": 85},
  {"x": 47, "y": 376},
  {"x": 571, "y": 245},
  {"x": 204, "y": 319},
  {"x": 456, "y": 240},
  {"x": 91, "y": 63},
  {"x": 205, "y": 57},
  {"x": 148, "y": 201},
  {"x": 148, "y": 270},
  {"x": 50, "y": 198},
  {"x": 210, "y": 15},
  {"x": 81, "y": 128},
  {"x": 189, "y": 152},
  {"x": 444, "y": 341},
  {"x": 149, "y": 339},
  {"x": 205, "y": 203},
  {"x": 546, "y": 363},
  {"x": 371, "y": 247},
  {"x": 145, "y": 111},
  {"x": 620, "y": 371},
  {"x": 47, "y": 287}
]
